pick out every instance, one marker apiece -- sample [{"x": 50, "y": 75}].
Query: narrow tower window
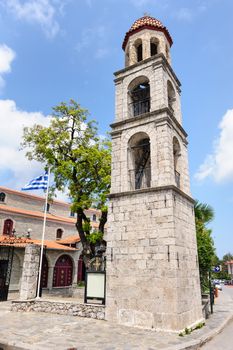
[
  {"x": 154, "y": 44},
  {"x": 139, "y": 53},
  {"x": 138, "y": 50},
  {"x": 153, "y": 49}
]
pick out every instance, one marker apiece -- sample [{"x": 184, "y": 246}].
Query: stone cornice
[
  {"x": 155, "y": 60},
  {"x": 152, "y": 189},
  {"x": 144, "y": 116}
]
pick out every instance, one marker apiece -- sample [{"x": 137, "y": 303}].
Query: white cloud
[
  {"x": 12, "y": 160},
  {"x": 219, "y": 164},
  {"x": 7, "y": 55},
  {"x": 42, "y": 12}
]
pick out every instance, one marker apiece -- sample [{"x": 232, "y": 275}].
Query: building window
[
  {"x": 139, "y": 161},
  {"x": 59, "y": 233},
  {"x": 72, "y": 214},
  {"x": 2, "y": 197},
  {"x": 94, "y": 217},
  {"x": 8, "y": 227}
]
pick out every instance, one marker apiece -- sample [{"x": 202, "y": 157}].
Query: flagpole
[{"x": 42, "y": 239}]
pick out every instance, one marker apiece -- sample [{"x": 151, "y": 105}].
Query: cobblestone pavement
[{"x": 37, "y": 331}]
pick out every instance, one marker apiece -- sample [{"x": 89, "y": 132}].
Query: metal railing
[
  {"x": 139, "y": 178},
  {"x": 139, "y": 107}
]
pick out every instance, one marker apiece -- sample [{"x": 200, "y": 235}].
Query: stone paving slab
[{"x": 37, "y": 331}]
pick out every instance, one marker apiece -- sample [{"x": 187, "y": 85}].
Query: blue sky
[{"x": 53, "y": 50}]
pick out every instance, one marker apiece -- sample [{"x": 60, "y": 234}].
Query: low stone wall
[{"x": 62, "y": 308}]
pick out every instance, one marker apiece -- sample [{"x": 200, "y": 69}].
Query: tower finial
[{"x": 146, "y": 14}]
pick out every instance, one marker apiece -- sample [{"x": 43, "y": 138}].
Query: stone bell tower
[{"x": 152, "y": 263}]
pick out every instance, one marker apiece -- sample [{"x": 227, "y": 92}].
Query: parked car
[{"x": 218, "y": 286}]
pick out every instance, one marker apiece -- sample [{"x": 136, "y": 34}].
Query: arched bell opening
[
  {"x": 176, "y": 158},
  {"x": 139, "y": 96},
  {"x": 139, "y": 161},
  {"x": 171, "y": 96}
]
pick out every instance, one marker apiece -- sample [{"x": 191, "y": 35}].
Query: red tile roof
[
  {"x": 36, "y": 214},
  {"x": 23, "y": 242},
  {"x": 69, "y": 240},
  {"x": 146, "y": 22}
]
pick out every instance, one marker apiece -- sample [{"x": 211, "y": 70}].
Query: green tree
[
  {"x": 80, "y": 161},
  {"x": 227, "y": 257},
  {"x": 204, "y": 214}
]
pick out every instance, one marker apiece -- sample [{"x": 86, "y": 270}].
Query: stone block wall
[
  {"x": 145, "y": 36},
  {"x": 29, "y": 280},
  {"x": 144, "y": 273},
  {"x": 188, "y": 271},
  {"x": 17, "y": 267},
  {"x": 61, "y": 308},
  {"x": 158, "y": 72},
  {"x": 161, "y": 130}
]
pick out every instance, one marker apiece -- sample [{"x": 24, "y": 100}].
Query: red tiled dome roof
[{"x": 146, "y": 22}]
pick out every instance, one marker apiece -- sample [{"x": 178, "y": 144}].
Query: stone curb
[{"x": 196, "y": 344}]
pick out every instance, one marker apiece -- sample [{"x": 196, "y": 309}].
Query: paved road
[
  {"x": 224, "y": 340},
  {"x": 37, "y": 331}
]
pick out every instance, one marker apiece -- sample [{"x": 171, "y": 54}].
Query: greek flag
[{"x": 39, "y": 183}]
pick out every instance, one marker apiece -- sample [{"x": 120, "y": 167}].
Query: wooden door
[
  {"x": 44, "y": 274},
  {"x": 8, "y": 227},
  {"x": 63, "y": 272}
]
